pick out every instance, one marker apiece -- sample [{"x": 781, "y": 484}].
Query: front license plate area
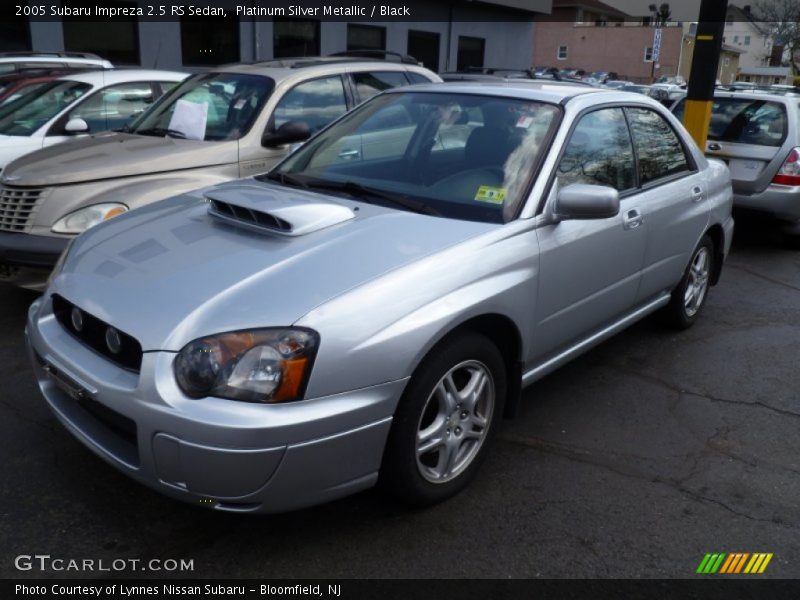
[{"x": 65, "y": 383}]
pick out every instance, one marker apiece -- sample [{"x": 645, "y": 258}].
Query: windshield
[
  {"x": 211, "y": 106},
  {"x": 27, "y": 113},
  {"x": 455, "y": 155}
]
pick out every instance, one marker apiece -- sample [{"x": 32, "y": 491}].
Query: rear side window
[
  {"x": 417, "y": 78},
  {"x": 370, "y": 83},
  {"x": 658, "y": 148},
  {"x": 745, "y": 121}
]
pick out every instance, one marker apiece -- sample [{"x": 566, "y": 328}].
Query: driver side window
[{"x": 599, "y": 152}]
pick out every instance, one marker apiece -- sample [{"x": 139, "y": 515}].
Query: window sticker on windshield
[
  {"x": 239, "y": 104},
  {"x": 524, "y": 121},
  {"x": 493, "y": 195}
]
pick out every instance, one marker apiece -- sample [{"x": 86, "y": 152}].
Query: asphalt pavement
[{"x": 635, "y": 460}]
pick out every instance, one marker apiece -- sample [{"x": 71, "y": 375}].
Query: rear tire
[
  {"x": 689, "y": 296},
  {"x": 444, "y": 420}
]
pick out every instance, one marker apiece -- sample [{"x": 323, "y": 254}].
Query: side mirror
[
  {"x": 290, "y": 132},
  {"x": 582, "y": 201},
  {"x": 76, "y": 125}
]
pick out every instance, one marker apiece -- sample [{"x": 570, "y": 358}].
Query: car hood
[
  {"x": 14, "y": 146},
  {"x": 111, "y": 155},
  {"x": 171, "y": 272}
]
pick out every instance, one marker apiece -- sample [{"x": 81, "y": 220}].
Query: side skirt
[{"x": 589, "y": 342}]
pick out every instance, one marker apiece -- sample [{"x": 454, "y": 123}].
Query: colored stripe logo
[{"x": 734, "y": 563}]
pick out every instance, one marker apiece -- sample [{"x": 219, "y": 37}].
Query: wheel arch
[{"x": 505, "y": 334}]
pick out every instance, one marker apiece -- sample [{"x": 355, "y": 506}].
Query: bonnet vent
[
  {"x": 249, "y": 216},
  {"x": 259, "y": 208}
]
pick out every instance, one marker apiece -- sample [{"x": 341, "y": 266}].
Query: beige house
[{"x": 728, "y": 65}]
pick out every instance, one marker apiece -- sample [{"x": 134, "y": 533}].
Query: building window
[
  {"x": 424, "y": 46},
  {"x": 648, "y": 54},
  {"x": 366, "y": 37},
  {"x": 203, "y": 45},
  {"x": 470, "y": 52},
  {"x": 295, "y": 37},
  {"x": 736, "y": 39},
  {"x": 15, "y": 32},
  {"x": 747, "y": 40},
  {"x": 117, "y": 40},
  {"x": 561, "y": 54},
  {"x": 726, "y": 61},
  {"x": 777, "y": 80}
]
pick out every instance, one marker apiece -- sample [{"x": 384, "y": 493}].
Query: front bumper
[
  {"x": 781, "y": 201},
  {"x": 221, "y": 454},
  {"x": 27, "y": 260}
]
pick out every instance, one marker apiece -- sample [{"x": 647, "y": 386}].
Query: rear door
[
  {"x": 673, "y": 200},
  {"x": 749, "y": 134}
]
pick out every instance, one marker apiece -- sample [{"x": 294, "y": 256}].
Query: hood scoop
[{"x": 289, "y": 213}]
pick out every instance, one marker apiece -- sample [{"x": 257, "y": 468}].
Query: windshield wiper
[
  {"x": 163, "y": 131},
  {"x": 284, "y": 178},
  {"x": 363, "y": 192}
]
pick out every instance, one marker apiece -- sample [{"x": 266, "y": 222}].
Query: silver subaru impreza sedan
[{"x": 368, "y": 310}]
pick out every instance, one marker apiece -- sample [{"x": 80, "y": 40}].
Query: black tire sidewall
[
  {"x": 677, "y": 307},
  {"x": 399, "y": 474}
]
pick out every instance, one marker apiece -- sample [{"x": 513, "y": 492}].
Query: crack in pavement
[
  {"x": 583, "y": 456},
  {"x": 762, "y": 276},
  {"x": 674, "y": 388}
]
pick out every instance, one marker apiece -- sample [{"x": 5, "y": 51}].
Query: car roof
[
  {"x": 545, "y": 91},
  {"x": 311, "y": 67},
  {"x": 111, "y": 76},
  {"x": 55, "y": 57}
]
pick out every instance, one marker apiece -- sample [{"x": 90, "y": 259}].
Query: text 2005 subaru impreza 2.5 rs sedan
[{"x": 368, "y": 310}]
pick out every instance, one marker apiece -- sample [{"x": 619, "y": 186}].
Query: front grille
[
  {"x": 95, "y": 333},
  {"x": 17, "y": 207}
]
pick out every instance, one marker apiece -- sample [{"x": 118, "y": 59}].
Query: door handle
[
  {"x": 348, "y": 153},
  {"x": 632, "y": 219},
  {"x": 713, "y": 146},
  {"x": 697, "y": 194}
]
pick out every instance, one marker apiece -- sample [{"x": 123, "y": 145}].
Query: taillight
[{"x": 789, "y": 173}]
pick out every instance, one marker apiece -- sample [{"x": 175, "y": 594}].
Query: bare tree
[
  {"x": 780, "y": 19},
  {"x": 660, "y": 13}
]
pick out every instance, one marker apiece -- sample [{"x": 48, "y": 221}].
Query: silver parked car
[
  {"x": 757, "y": 134},
  {"x": 223, "y": 124},
  {"x": 368, "y": 310}
]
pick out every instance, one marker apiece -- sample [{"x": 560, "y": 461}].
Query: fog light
[
  {"x": 76, "y": 317},
  {"x": 113, "y": 340}
]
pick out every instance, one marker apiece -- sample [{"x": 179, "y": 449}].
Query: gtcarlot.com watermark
[{"x": 55, "y": 564}]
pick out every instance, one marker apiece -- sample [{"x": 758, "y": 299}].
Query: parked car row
[
  {"x": 277, "y": 326},
  {"x": 222, "y": 124}
]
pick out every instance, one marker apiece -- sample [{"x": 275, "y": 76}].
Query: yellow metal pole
[{"x": 703, "y": 74}]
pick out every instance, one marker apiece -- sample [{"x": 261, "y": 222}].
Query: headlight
[
  {"x": 89, "y": 216},
  {"x": 59, "y": 263},
  {"x": 262, "y": 365}
]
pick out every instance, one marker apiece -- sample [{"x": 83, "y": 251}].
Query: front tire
[
  {"x": 444, "y": 420},
  {"x": 689, "y": 297}
]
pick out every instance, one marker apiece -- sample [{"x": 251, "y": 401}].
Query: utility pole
[{"x": 703, "y": 76}]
